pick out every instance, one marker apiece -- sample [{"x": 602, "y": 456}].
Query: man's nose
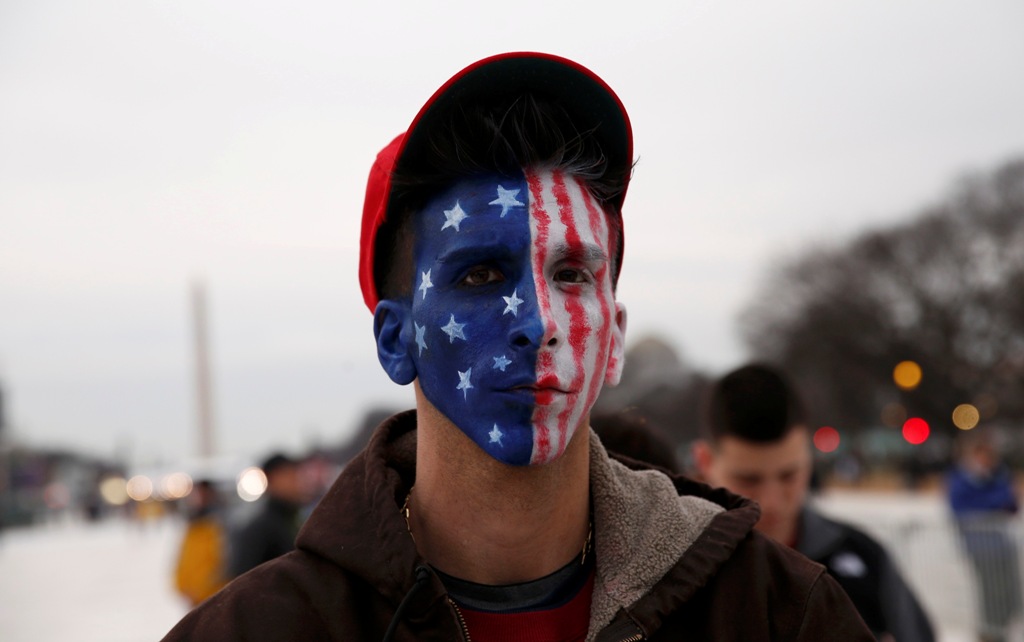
[
  {"x": 533, "y": 328},
  {"x": 771, "y": 498},
  {"x": 530, "y": 331}
]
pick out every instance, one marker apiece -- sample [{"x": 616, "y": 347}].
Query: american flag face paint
[{"x": 513, "y": 316}]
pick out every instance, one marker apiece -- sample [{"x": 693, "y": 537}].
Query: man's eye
[
  {"x": 482, "y": 276},
  {"x": 570, "y": 275}
]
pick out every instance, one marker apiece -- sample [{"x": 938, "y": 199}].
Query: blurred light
[
  {"x": 176, "y": 485},
  {"x": 252, "y": 483},
  {"x": 986, "y": 404},
  {"x": 907, "y": 375},
  {"x": 826, "y": 439},
  {"x": 916, "y": 430},
  {"x": 56, "y": 495},
  {"x": 894, "y": 414},
  {"x": 139, "y": 488},
  {"x": 966, "y": 416},
  {"x": 114, "y": 491}
]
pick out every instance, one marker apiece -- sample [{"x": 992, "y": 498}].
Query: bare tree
[{"x": 945, "y": 290}]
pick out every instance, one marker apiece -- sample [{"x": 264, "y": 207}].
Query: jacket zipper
[
  {"x": 462, "y": 620},
  {"x": 620, "y": 631}
]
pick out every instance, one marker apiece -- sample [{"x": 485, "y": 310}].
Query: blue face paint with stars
[{"x": 474, "y": 311}]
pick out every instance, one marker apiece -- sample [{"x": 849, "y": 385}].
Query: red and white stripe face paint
[
  {"x": 513, "y": 326},
  {"x": 583, "y": 325}
]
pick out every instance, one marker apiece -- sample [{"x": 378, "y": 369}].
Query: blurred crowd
[{"x": 238, "y": 519}]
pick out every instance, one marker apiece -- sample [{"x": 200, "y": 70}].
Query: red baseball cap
[{"x": 588, "y": 100}]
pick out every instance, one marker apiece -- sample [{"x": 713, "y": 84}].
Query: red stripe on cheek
[
  {"x": 579, "y": 333},
  {"x": 542, "y": 434},
  {"x": 579, "y": 328}
]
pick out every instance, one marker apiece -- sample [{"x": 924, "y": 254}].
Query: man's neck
[{"x": 480, "y": 520}]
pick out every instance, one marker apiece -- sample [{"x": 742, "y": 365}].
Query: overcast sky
[{"x": 145, "y": 144}]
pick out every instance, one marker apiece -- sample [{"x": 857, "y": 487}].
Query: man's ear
[
  {"x": 391, "y": 327},
  {"x": 703, "y": 458},
  {"x": 617, "y": 349}
]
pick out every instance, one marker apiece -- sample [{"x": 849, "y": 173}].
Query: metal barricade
[{"x": 967, "y": 575}]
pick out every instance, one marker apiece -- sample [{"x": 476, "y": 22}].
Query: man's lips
[
  {"x": 547, "y": 383},
  {"x": 543, "y": 391},
  {"x": 536, "y": 388}
]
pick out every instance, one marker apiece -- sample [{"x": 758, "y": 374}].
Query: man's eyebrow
[
  {"x": 583, "y": 252},
  {"x": 474, "y": 252},
  {"x": 749, "y": 478}
]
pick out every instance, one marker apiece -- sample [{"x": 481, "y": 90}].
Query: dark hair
[
  {"x": 756, "y": 403},
  {"x": 275, "y": 462},
  {"x": 204, "y": 485},
  {"x": 504, "y": 137},
  {"x": 632, "y": 435}
]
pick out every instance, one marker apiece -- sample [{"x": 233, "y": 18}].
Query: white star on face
[
  {"x": 454, "y": 330},
  {"x": 425, "y": 283},
  {"x": 496, "y": 435},
  {"x": 506, "y": 198},
  {"x": 420, "y": 341},
  {"x": 464, "y": 383},
  {"x": 500, "y": 363},
  {"x": 512, "y": 304},
  {"x": 453, "y": 217}
]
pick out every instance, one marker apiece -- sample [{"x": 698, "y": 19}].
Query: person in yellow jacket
[{"x": 200, "y": 571}]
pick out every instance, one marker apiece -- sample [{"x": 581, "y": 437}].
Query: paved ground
[
  {"x": 105, "y": 582},
  {"x": 111, "y": 581}
]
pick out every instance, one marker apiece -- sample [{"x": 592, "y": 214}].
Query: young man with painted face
[
  {"x": 491, "y": 245},
  {"x": 758, "y": 446}
]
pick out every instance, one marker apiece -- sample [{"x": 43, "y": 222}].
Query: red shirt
[{"x": 566, "y": 623}]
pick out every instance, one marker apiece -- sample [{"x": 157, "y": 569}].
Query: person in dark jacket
[
  {"x": 270, "y": 531},
  {"x": 757, "y": 445},
  {"x": 490, "y": 248}
]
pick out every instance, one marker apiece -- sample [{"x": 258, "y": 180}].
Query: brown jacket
[{"x": 676, "y": 560}]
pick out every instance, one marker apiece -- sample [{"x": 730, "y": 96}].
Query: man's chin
[
  {"x": 510, "y": 445},
  {"x": 776, "y": 530},
  {"x": 514, "y": 446}
]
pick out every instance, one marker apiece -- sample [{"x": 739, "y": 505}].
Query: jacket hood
[{"x": 646, "y": 525}]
